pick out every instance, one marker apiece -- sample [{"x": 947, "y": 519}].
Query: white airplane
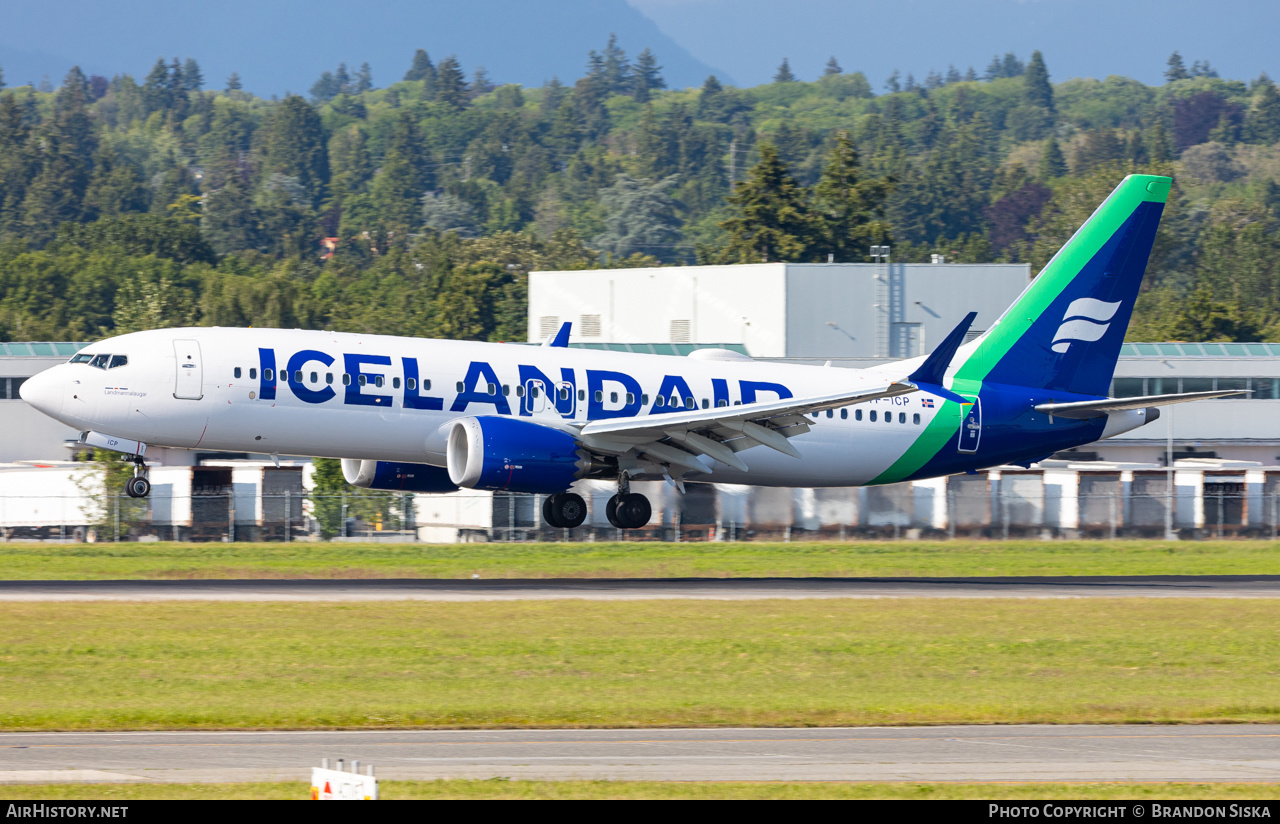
[{"x": 434, "y": 415}]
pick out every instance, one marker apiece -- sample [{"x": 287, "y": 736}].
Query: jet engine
[
  {"x": 401, "y": 477},
  {"x": 512, "y": 455}
]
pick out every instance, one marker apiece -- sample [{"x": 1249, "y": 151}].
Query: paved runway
[
  {"x": 599, "y": 589},
  {"x": 1249, "y": 753}
]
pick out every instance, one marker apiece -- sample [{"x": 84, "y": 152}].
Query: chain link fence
[{"x": 1015, "y": 508}]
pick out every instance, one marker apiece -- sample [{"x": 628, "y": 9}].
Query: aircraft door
[
  {"x": 189, "y": 377},
  {"x": 536, "y": 396},
  {"x": 971, "y": 428}
]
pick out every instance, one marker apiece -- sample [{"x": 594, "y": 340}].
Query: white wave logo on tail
[{"x": 1085, "y": 320}]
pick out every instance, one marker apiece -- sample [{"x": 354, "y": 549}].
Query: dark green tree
[
  {"x": 115, "y": 187},
  {"x": 233, "y": 83},
  {"x": 156, "y": 94},
  {"x": 850, "y": 208},
  {"x": 231, "y": 222},
  {"x": 295, "y": 146},
  {"x": 422, "y": 67},
  {"x": 325, "y": 88},
  {"x": 175, "y": 183},
  {"x": 364, "y": 79},
  {"x": 784, "y": 74},
  {"x": 68, "y": 144},
  {"x": 642, "y": 219},
  {"x": 398, "y": 189},
  {"x": 832, "y": 68},
  {"x": 1159, "y": 146},
  {"x": 772, "y": 220},
  {"x": 1263, "y": 123},
  {"x": 18, "y": 164},
  {"x": 616, "y": 72},
  {"x": 1039, "y": 89},
  {"x": 646, "y": 77},
  {"x": 451, "y": 83},
  {"x": 1052, "y": 163},
  {"x": 1175, "y": 69},
  {"x": 192, "y": 77}
]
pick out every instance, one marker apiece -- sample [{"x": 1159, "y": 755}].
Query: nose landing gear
[{"x": 138, "y": 486}]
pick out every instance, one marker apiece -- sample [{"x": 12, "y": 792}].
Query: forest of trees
[{"x": 418, "y": 207}]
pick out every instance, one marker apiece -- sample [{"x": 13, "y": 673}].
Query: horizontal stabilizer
[
  {"x": 561, "y": 339},
  {"x": 1100, "y": 408}
]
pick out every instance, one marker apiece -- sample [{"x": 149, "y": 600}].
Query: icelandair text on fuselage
[
  {"x": 1154, "y": 810},
  {"x": 65, "y": 811}
]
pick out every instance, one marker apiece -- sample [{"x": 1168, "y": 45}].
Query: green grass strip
[
  {"x": 200, "y": 665},
  {"x": 44, "y": 561}
]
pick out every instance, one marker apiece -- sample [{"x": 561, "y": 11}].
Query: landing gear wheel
[
  {"x": 549, "y": 512},
  {"x": 611, "y": 512},
  {"x": 569, "y": 510},
  {"x": 630, "y": 511},
  {"x": 137, "y": 487}
]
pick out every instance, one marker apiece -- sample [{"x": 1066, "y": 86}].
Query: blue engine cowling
[
  {"x": 401, "y": 477},
  {"x": 512, "y": 455}
]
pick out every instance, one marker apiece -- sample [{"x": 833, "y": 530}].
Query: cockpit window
[
  {"x": 118, "y": 360},
  {"x": 82, "y": 357},
  {"x": 100, "y": 361}
]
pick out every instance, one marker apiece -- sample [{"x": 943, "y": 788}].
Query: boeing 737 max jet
[{"x": 435, "y": 415}]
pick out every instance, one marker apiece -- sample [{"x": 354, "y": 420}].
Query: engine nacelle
[
  {"x": 400, "y": 477},
  {"x": 512, "y": 455}
]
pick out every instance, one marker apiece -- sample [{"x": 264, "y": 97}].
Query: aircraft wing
[{"x": 721, "y": 432}]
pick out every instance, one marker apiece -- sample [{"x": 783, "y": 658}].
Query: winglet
[
  {"x": 928, "y": 377},
  {"x": 561, "y": 339}
]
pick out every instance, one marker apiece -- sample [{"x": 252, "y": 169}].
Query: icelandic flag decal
[{"x": 927, "y": 403}]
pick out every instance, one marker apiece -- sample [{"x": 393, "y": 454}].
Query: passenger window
[
  {"x": 411, "y": 384},
  {"x": 722, "y": 402},
  {"x": 737, "y": 403},
  {"x": 815, "y": 414},
  {"x": 346, "y": 379},
  {"x": 706, "y": 403},
  {"x": 872, "y": 416},
  {"x": 613, "y": 397},
  {"x": 831, "y": 413},
  {"x": 630, "y": 398},
  {"x": 902, "y": 417},
  {"x": 493, "y": 389},
  {"x": 253, "y": 374},
  {"x": 564, "y": 394},
  {"x": 520, "y": 391},
  {"x": 460, "y": 387},
  {"x": 395, "y": 383},
  {"x": 644, "y": 400},
  {"x": 426, "y": 385},
  {"x": 237, "y": 372},
  {"x": 915, "y": 419},
  {"x": 378, "y": 381},
  {"x": 363, "y": 379},
  {"x": 857, "y": 414},
  {"x": 844, "y": 414},
  {"x": 659, "y": 401},
  {"x": 533, "y": 391},
  {"x": 328, "y": 378},
  {"x": 582, "y": 394},
  {"x": 315, "y": 377},
  {"x": 269, "y": 375},
  {"x": 506, "y": 389},
  {"x": 599, "y": 396},
  {"x": 689, "y": 404},
  {"x": 297, "y": 376}
]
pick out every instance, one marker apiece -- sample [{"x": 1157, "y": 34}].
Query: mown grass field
[
  {"x": 530, "y": 790},
  {"x": 105, "y": 665},
  {"x": 636, "y": 560}
]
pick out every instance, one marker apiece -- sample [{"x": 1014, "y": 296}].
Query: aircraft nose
[{"x": 44, "y": 391}]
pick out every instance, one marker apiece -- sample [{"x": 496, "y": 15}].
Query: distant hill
[{"x": 284, "y": 45}]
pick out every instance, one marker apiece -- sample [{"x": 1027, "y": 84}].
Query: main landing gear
[
  {"x": 138, "y": 486},
  {"x": 627, "y": 509},
  {"x": 566, "y": 510}
]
